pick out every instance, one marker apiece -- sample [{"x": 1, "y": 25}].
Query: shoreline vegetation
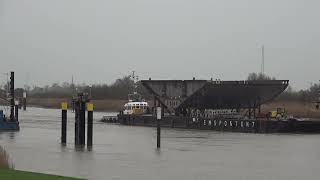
[
  {"x": 295, "y": 108},
  {"x": 112, "y": 97},
  {"x": 4, "y": 159},
  {"x": 7, "y": 171},
  {"x": 8, "y": 174}
]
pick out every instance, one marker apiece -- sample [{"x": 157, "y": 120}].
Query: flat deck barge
[
  {"x": 217, "y": 105},
  {"x": 225, "y": 124}
]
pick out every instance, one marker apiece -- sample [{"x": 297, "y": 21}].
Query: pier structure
[
  {"x": 10, "y": 123},
  {"x": 11, "y": 97}
]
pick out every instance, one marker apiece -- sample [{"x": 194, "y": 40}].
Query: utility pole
[
  {"x": 319, "y": 92},
  {"x": 90, "y": 92},
  {"x": 262, "y": 57}
]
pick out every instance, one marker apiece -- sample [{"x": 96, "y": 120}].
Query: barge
[
  {"x": 224, "y": 124},
  {"x": 217, "y": 105}
]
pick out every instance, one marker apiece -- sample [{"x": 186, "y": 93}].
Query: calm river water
[{"x": 124, "y": 152}]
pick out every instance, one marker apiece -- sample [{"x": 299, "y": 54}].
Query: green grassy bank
[{"x": 21, "y": 175}]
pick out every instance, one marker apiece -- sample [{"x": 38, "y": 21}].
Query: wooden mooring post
[
  {"x": 82, "y": 122},
  {"x": 64, "y": 108},
  {"x": 159, "y": 116},
  {"x": 90, "y": 124},
  {"x": 12, "y": 103},
  {"x": 16, "y": 111},
  {"x": 24, "y": 101}
]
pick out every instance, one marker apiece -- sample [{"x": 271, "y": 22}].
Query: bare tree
[{"x": 259, "y": 76}]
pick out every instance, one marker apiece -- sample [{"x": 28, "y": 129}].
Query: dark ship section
[{"x": 218, "y": 105}]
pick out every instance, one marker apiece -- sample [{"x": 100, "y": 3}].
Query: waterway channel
[{"x": 126, "y": 152}]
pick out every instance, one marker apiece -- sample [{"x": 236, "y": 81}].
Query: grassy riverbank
[
  {"x": 100, "y": 105},
  {"x": 22, "y": 175},
  {"x": 7, "y": 173},
  {"x": 295, "y": 108},
  {"x": 4, "y": 159}
]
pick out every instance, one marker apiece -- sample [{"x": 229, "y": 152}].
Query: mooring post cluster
[
  {"x": 10, "y": 123},
  {"x": 81, "y": 104}
]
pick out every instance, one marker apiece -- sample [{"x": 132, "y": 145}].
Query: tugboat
[{"x": 136, "y": 105}]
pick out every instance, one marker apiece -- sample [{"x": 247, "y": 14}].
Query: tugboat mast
[{"x": 135, "y": 79}]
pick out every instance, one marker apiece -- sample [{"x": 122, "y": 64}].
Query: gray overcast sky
[{"x": 97, "y": 41}]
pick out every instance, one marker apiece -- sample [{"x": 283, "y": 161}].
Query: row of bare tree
[
  {"x": 123, "y": 86},
  {"x": 311, "y": 94}
]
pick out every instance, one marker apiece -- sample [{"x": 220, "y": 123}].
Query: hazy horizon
[{"x": 99, "y": 41}]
